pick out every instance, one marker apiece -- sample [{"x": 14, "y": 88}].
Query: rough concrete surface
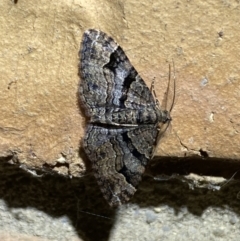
[
  {"x": 52, "y": 207},
  {"x": 42, "y": 124}
]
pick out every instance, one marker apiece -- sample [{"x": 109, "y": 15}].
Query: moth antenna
[
  {"x": 168, "y": 88},
  {"x": 162, "y": 132},
  {"x": 174, "y": 85}
]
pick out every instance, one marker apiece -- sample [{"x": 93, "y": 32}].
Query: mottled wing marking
[
  {"x": 124, "y": 117},
  {"x": 119, "y": 157},
  {"x": 114, "y": 93}
]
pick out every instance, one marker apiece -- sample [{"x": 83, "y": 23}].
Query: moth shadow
[{"x": 77, "y": 199}]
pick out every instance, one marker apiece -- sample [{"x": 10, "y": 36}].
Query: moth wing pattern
[
  {"x": 124, "y": 117},
  {"x": 119, "y": 157},
  {"x": 110, "y": 80}
]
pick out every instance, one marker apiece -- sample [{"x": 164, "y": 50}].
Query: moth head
[{"x": 165, "y": 116}]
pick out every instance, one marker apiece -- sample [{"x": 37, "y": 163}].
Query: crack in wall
[{"x": 199, "y": 152}]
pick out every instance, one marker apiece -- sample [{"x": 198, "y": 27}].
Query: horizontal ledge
[{"x": 209, "y": 166}]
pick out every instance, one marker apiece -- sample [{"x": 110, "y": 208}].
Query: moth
[{"x": 123, "y": 114}]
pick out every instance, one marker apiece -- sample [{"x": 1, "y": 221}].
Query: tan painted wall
[{"x": 40, "y": 117}]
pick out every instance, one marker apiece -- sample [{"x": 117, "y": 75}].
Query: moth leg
[
  {"x": 157, "y": 141},
  {"x": 152, "y": 89}
]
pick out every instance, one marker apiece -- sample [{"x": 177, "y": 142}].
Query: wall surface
[
  {"x": 42, "y": 124},
  {"x": 41, "y": 120}
]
